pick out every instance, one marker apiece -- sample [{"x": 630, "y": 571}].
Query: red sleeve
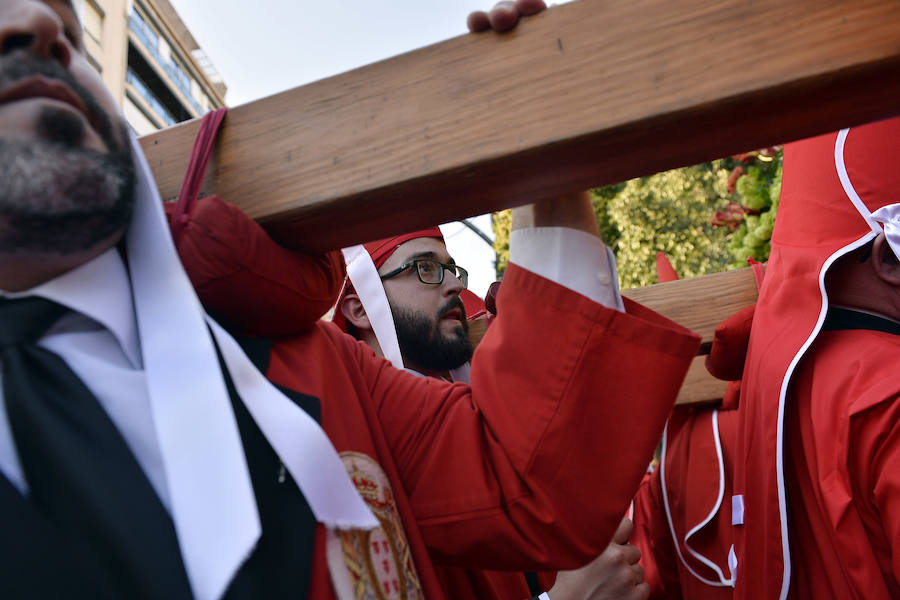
[
  {"x": 535, "y": 464},
  {"x": 652, "y": 537},
  {"x": 248, "y": 282},
  {"x": 729, "y": 347}
]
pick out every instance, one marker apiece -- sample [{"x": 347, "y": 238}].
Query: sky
[{"x": 262, "y": 47}]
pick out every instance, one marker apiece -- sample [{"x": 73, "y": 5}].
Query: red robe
[
  {"x": 510, "y": 473},
  {"x": 682, "y": 513},
  {"x": 689, "y": 490},
  {"x": 816, "y": 458},
  {"x": 843, "y": 471},
  {"x": 226, "y": 254}
]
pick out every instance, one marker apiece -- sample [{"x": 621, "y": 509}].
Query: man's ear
[
  {"x": 353, "y": 311},
  {"x": 885, "y": 262}
]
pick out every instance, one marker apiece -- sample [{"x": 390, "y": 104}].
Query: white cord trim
[
  {"x": 848, "y": 186},
  {"x": 779, "y": 456},
  {"x": 779, "y": 450},
  {"x": 729, "y": 581},
  {"x": 723, "y": 581}
]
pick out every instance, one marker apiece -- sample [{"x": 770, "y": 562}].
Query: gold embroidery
[{"x": 378, "y": 564}]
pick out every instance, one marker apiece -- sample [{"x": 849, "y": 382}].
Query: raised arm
[
  {"x": 247, "y": 281},
  {"x": 560, "y": 385}
]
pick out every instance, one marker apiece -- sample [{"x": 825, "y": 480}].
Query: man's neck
[
  {"x": 879, "y": 300},
  {"x": 20, "y": 272}
]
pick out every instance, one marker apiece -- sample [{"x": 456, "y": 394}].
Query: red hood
[
  {"x": 380, "y": 251},
  {"x": 817, "y": 223}
]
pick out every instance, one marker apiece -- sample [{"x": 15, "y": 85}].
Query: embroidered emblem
[{"x": 377, "y": 564}]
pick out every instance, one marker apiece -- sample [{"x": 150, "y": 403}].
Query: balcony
[
  {"x": 150, "y": 40},
  {"x": 161, "y": 111}
]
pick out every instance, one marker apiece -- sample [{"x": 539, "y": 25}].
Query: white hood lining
[{"x": 723, "y": 581}]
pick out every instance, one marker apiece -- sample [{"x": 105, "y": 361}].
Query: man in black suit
[{"x": 131, "y": 463}]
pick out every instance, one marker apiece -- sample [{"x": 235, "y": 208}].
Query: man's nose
[
  {"x": 33, "y": 26},
  {"x": 451, "y": 283}
]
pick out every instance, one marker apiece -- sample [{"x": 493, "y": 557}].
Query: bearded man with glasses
[
  {"x": 420, "y": 303},
  {"x": 422, "y": 297}
]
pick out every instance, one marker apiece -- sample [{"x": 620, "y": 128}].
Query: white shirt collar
[{"x": 98, "y": 289}]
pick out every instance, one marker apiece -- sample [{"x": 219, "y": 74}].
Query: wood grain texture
[
  {"x": 477, "y": 328},
  {"x": 588, "y": 93},
  {"x": 699, "y": 386},
  {"x": 700, "y": 303}
]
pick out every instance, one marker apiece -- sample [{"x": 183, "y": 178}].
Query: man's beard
[
  {"x": 57, "y": 196},
  {"x": 425, "y": 346}
]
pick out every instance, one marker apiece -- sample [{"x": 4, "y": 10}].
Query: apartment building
[{"x": 150, "y": 61}]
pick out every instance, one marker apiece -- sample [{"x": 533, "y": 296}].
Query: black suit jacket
[{"x": 38, "y": 561}]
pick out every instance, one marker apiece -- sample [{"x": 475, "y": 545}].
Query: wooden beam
[
  {"x": 588, "y": 93},
  {"x": 477, "y": 329},
  {"x": 699, "y": 386},
  {"x": 700, "y": 303}
]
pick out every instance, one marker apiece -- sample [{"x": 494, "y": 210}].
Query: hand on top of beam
[{"x": 504, "y": 15}]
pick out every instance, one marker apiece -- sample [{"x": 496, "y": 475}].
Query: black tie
[{"x": 81, "y": 474}]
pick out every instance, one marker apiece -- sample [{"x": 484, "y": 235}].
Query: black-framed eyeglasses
[{"x": 431, "y": 271}]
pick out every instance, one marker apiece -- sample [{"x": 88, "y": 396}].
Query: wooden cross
[{"x": 584, "y": 94}]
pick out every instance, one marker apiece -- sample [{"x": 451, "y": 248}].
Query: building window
[
  {"x": 150, "y": 98},
  {"x": 199, "y": 97},
  {"x": 93, "y": 21},
  {"x": 144, "y": 32},
  {"x": 140, "y": 122},
  {"x": 164, "y": 56},
  {"x": 94, "y": 63}
]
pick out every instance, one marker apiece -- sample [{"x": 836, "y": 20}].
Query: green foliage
[
  {"x": 758, "y": 190},
  {"x": 671, "y": 212},
  {"x": 501, "y": 223},
  {"x": 668, "y": 212},
  {"x": 600, "y": 198}
]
